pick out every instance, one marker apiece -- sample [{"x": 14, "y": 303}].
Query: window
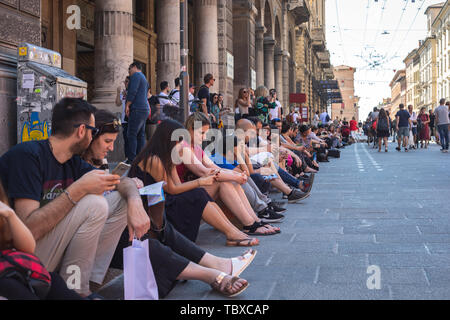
[{"x": 140, "y": 12}]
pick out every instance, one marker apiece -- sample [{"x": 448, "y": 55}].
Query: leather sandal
[
  {"x": 239, "y": 264},
  {"x": 241, "y": 242},
  {"x": 226, "y": 288}
]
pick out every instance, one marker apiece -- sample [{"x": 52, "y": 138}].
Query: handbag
[
  {"x": 139, "y": 279},
  {"x": 26, "y": 268}
]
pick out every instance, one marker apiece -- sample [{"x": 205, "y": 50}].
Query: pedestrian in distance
[
  {"x": 423, "y": 128},
  {"x": 383, "y": 129},
  {"x": 442, "y": 121},
  {"x": 403, "y": 124}
]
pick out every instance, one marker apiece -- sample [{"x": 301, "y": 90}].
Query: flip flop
[
  {"x": 251, "y": 230},
  {"x": 240, "y": 263}
]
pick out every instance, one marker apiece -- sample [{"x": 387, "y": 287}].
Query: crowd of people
[
  {"x": 61, "y": 206},
  {"x": 410, "y": 129}
]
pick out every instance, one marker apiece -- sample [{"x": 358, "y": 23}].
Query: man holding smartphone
[{"x": 59, "y": 197}]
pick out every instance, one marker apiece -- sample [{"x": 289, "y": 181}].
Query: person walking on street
[
  {"x": 383, "y": 129},
  {"x": 394, "y": 129},
  {"x": 442, "y": 122},
  {"x": 413, "y": 118},
  {"x": 423, "y": 128},
  {"x": 432, "y": 125},
  {"x": 403, "y": 123},
  {"x": 137, "y": 110}
]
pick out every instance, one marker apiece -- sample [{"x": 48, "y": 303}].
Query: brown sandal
[
  {"x": 241, "y": 243},
  {"x": 226, "y": 287}
]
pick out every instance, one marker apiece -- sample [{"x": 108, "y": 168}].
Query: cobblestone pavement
[{"x": 388, "y": 210}]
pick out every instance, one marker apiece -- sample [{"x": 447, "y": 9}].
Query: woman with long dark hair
[
  {"x": 186, "y": 203},
  {"x": 383, "y": 129},
  {"x": 173, "y": 256}
]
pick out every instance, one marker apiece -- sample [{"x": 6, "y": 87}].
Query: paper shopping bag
[{"x": 139, "y": 279}]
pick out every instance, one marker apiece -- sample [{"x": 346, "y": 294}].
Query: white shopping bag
[{"x": 139, "y": 279}]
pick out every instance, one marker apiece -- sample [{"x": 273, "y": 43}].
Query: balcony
[
  {"x": 324, "y": 59},
  {"x": 329, "y": 74},
  {"x": 318, "y": 39},
  {"x": 300, "y": 10}
]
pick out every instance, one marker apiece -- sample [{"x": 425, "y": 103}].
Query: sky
[{"x": 374, "y": 37}]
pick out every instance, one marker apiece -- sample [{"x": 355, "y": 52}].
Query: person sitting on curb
[{"x": 59, "y": 198}]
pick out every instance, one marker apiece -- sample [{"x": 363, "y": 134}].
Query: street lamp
[{"x": 184, "y": 54}]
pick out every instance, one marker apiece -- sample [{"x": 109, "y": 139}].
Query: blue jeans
[
  {"x": 136, "y": 132},
  {"x": 287, "y": 178},
  {"x": 443, "y": 134}
]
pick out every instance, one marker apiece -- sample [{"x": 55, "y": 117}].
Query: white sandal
[{"x": 240, "y": 263}]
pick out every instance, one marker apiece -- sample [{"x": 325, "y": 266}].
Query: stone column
[
  {"x": 207, "y": 53},
  {"x": 244, "y": 13},
  {"x": 168, "y": 26},
  {"x": 269, "y": 68},
  {"x": 259, "y": 55},
  {"x": 278, "y": 61},
  {"x": 113, "y": 49}
]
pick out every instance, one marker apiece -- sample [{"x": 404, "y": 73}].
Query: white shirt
[
  {"x": 176, "y": 97},
  {"x": 163, "y": 101},
  {"x": 414, "y": 118},
  {"x": 295, "y": 117},
  {"x": 323, "y": 117},
  {"x": 274, "y": 112}
]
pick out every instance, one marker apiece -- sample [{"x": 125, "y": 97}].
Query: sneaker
[
  {"x": 270, "y": 216},
  {"x": 297, "y": 195},
  {"x": 276, "y": 208},
  {"x": 279, "y": 204}
]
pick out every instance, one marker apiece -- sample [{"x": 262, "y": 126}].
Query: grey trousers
[
  {"x": 255, "y": 197},
  {"x": 83, "y": 243}
]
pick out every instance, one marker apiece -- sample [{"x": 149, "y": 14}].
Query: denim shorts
[{"x": 403, "y": 132}]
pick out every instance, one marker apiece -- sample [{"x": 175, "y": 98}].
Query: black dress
[
  {"x": 184, "y": 211},
  {"x": 170, "y": 253}
]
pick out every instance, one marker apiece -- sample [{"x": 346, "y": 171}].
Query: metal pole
[{"x": 184, "y": 46}]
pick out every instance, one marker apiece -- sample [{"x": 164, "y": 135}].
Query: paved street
[{"x": 367, "y": 208}]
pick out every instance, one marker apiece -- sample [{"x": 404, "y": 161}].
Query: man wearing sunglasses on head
[{"x": 59, "y": 197}]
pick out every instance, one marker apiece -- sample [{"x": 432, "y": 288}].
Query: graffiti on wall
[{"x": 35, "y": 129}]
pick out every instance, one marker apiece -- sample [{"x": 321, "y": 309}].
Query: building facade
[
  {"x": 312, "y": 57},
  {"x": 398, "y": 91},
  {"x": 349, "y": 108},
  {"x": 244, "y": 43},
  {"x": 440, "y": 28}
]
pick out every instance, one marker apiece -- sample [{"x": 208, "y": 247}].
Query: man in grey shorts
[{"x": 403, "y": 124}]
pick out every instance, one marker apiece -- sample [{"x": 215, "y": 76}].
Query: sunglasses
[
  {"x": 111, "y": 126},
  {"x": 94, "y": 130}
]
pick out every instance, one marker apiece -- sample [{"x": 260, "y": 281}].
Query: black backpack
[{"x": 383, "y": 125}]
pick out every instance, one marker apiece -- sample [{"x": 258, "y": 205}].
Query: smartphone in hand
[{"x": 121, "y": 169}]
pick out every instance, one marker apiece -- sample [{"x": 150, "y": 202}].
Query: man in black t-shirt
[
  {"x": 60, "y": 198},
  {"x": 203, "y": 93}
]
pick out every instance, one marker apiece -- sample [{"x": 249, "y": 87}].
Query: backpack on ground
[{"x": 334, "y": 153}]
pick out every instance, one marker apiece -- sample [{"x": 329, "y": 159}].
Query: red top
[
  {"x": 182, "y": 170},
  {"x": 353, "y": 125}
]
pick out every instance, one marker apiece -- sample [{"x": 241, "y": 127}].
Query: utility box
[{"x": 41, "y": 83}]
